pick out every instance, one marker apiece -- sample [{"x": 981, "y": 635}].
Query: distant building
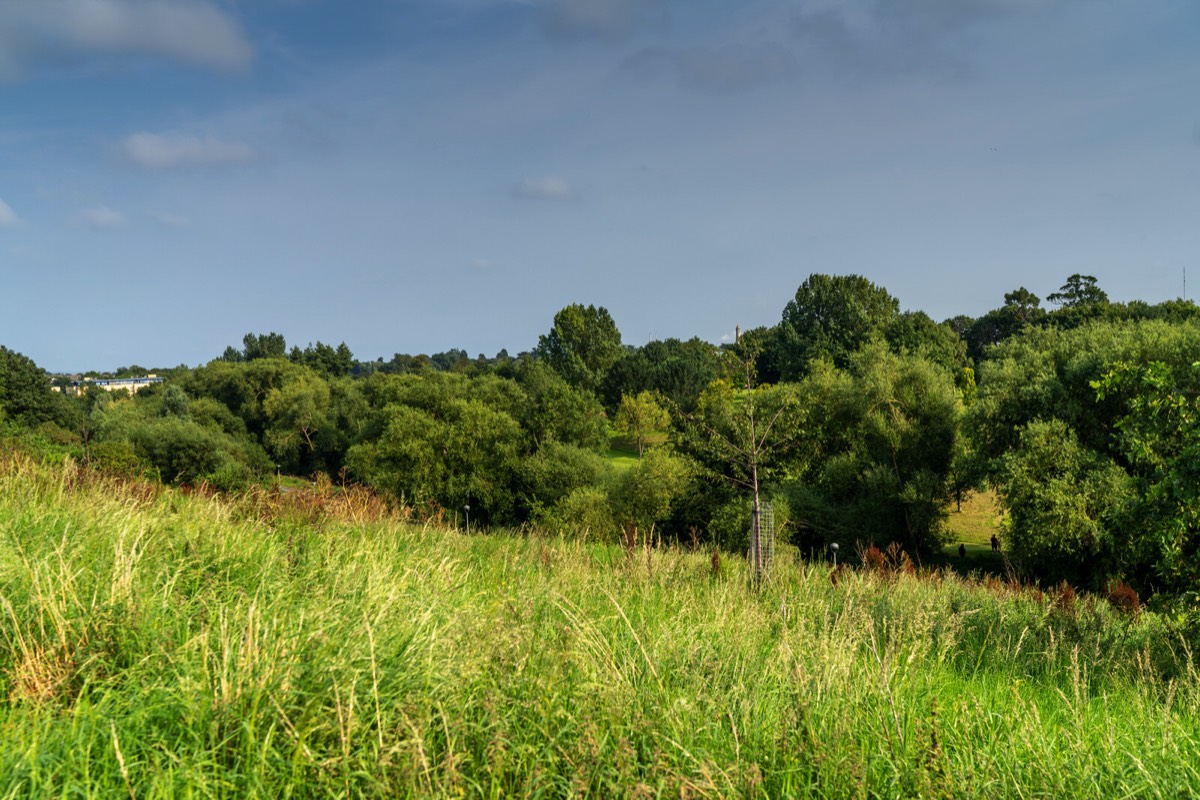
[{"x": 132, "y": 385}]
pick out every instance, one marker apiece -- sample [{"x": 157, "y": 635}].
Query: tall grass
[{"x": 159, "y": 645}]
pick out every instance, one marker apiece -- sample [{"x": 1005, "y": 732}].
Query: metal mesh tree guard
[{"x": 762, "y": 539}]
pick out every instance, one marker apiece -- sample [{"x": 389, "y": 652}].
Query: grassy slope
[
  {"x": 166, "y": 647},
  {"x": 973, "y": 527}
]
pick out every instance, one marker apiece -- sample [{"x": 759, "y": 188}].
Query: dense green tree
[
  {"x": 263, "y": 345},
  {"x": 581, "y": 346},
  {"x": 1065, "y": 503},
  {"x": 743, "y": 437},
  {"x": 831, "y": 317},
  {"x": 185, "y": 448},
  {"x": 1021, "y": 309},
  {"x": 558, "y": 469},
  {"x": 874, "y": 457},
  {"x": 325, "y": 359},
  {"x": 556, "y": 411},
  {"x": 295, "y": 413},
  {"x": 1160, "y": 438},
  {"x": 679, "y": 371},
  {"x": 644, "y": 494},
  {"x": 463, "y": 453},
  {"x": 915, "y": 333},
  {"x": 1024, "y": 306},
  {"x": 243, "y": 387},
  {"x": 174, "y": 402},
  {"x": 1051, "y": 375},
  {"x": 453, "y": 360},
  {"x": 1079, "y": 290},
  {"x": 25, "y": 394},
  {"x": 638, "y": 417}
]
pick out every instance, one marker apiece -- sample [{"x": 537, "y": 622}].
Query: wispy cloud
[
  {"x": 188, "y": 31},
  {"x": 602, "y": 19},
  {"x": 8, "y": 217},
  {"x": 729, "y": 68},
  {"x": 550, "y": 187},
  {"x": 163, "y": 150},
  {"x": 889, "y": 36},
  {"x": 101, "y": 216}
]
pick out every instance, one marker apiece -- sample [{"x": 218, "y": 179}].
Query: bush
[
  {"x": 586, "y": 514},
  {"x": 1064, "y": 501},
  {"x": 116, "y": 457},
  {"x": 556, "y": 470}
]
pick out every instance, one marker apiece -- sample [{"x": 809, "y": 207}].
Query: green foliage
[
  {"x": 1160, "y": 437},
  {"x": 1065, "y": 504},
  {"x": 744, "y": 437},
  {"x": 678, "y": 371},
  {"x": 729, "y": 525},
  {"x": 914, "y": 333},
  {"x": 25, "y": 394},
  {"x": 325, "y": 359},
  {"x": 454, "y": 453},
  {"x": 1072, "y": 377},
  {"x": 183, "y": 441},
  {"x": 181, "y": 450},
  {"x": 1021, "y": 309},
  {"x": 295, "y": 412},
  {"x": 644, "y": 495},
  {"x": 1049, "y": 373},
  {"x": 585, "y": 514},
  {"x": 553, "y": 410},
  {"x": 873, "y": 459},
  {"x": 581, "y": 346},
  {"x": 174, "y": 402},
  {"x": 640, "y": 416},
  {"x": 831, "y": 317},
  {"x": 1078, "y": 291},
  {"x": 557, "y": 469},
  {"x": 116, "y": 457},
  {"x": 263, "y": 345}
]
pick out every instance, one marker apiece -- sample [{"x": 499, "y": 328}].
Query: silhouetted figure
[
  {"x": 962, "y": 551},
  {"x": 995, "y": 544}
]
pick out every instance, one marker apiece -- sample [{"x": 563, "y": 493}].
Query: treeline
[{"x": 860, "y": 422}]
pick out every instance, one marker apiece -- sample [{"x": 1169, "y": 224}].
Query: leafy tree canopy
[
  {"x": 1079, "y": 290},
  {"x": 582, "y": 345},
  {"x": 831, "y": 317}
]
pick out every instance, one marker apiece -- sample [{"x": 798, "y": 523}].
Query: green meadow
[{"x": 157, "y": 644}]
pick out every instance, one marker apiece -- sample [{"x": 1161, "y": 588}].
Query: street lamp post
[
  {"x": 833, "y": 547},
  {"x": 467, "y": 511}
]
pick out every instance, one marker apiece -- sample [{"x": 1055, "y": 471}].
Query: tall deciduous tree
[
  {"x": 639, "y": 416},
  {"x": 25, "y": 394},
  {"x": 582, "y": 345},
  {"x": 831, "y": 317},
  {"x": 1079, "y": 290}
]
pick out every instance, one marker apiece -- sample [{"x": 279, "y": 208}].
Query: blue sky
[{"x": 417, "y": 175}]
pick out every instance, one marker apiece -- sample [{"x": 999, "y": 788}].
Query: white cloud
[
  {"x": 188, "y": 31},
  {"x": 602, "y": 19},
  {"x": 162, "y": 150},
  {"x": 8, "y": 217},
  {"x": 550, "y": 187},
  {"x": 102, "y": 216}
]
